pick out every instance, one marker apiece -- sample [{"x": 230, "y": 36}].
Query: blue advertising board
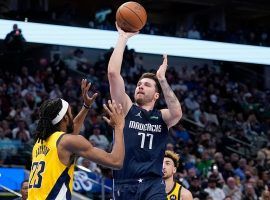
[
  {"x": 90, "y": 182},
  {"x": 12, "y": 177}
]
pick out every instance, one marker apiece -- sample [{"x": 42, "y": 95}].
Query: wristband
[{"x": 86, "y": 106}]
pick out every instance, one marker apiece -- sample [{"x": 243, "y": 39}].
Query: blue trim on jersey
[
  {"x": 64, "y": 178},
  {"x": 68, "y": 195}
]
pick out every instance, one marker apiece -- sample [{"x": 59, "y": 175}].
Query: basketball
[{"x": 131, "y": 16}]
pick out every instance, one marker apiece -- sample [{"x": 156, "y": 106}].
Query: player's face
[
  {"x": 168, "y": 168},
  {"x": 24, "y": 190},
  {"x": 145, "y": 91}
]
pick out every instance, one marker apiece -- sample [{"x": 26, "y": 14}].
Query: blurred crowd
[
  {"x": 199, "y": 31},
  {"x": 104, "y": 19},
  {"x": 222, "y": 138}
]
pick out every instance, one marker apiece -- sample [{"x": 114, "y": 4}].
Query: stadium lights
[{"x": 102, "y": 39}]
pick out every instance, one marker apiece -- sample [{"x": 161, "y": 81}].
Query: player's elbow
[
  {"x": 180, "y": 115},
  {"x": 112, "y": 73},
  {"x": 112, "y": 76},
  {"x": 118, "y": 161},
  {"x": 118, "y": 164},
  {"x": 177, "y": 115}
]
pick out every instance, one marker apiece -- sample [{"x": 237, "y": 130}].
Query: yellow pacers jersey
[
  {"x": 49, "y": 177},
  {"x": 175, "y": 193}
]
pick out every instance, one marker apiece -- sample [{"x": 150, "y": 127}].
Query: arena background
[{"x": 225, "y": 104}]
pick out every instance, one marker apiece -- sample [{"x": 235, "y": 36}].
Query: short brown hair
[
  {"x": 153, "y": 77},
  {"x": 174, "y": 156}
]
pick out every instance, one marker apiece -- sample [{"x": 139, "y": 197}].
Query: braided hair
[{"x": 48, "y": 111}]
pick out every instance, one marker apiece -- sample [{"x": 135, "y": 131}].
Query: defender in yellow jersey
[
  {"x": 175, "y": 193},
  {"x": 53, "y": 154},
  {"x": 45, "y": 160},
  {"x": 174, "y": 190}
]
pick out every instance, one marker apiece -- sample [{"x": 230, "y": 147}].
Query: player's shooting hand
[
  {"x": 126, "y": 35},
  {"x": 85, "y": 86},
  {"x": 116, "y": 115},
  {"x": 162, "y": 69}
]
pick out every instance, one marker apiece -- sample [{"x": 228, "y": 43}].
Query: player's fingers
[
  {"x": 117, "y": 27},
  {"x": 94, "y": 96},
  {"x": 165, "y": 60},
  {"x": 88, "y": 86},
  {"x": 135, "y": 33},
  {"x": 119, "y": 109},
  {"x": 106, "y": 119},
  {"x": 82, "y": 84},
  {"x": 112, "y": 105},
  {"x": 107, "y": 110}
]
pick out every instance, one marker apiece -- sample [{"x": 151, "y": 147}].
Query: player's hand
[
  {"x": 85, "y": 86},
  {"x": 162, "y": 69},
  {"x": 116, "y": 115},
  {"x": 126, "y": 35}
]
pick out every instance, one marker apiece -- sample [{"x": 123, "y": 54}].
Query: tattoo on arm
[
  {"x": 169, "y": 95},
  {"x": 173, "y": 104}
]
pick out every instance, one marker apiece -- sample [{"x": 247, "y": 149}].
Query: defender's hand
[
  {"x": 116, "y": 115},
  {"x": 86, "y": 98}
]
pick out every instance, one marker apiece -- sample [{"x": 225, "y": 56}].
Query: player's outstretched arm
[
  {"x": 78, "y": 145},
  {"x": 87, "y": 102},
  {"x": 174, "y": 112},
  {"x": 117, "y": 86}
]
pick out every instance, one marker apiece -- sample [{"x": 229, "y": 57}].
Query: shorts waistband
[{"x": 134, "y": 181}]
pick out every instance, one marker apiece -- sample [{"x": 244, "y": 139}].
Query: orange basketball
[{"x": 131, "y": 16}]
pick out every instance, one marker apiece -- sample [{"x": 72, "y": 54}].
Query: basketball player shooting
[{"x": 146, "y": 128}]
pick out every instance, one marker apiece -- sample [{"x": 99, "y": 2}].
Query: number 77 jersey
[
  {"x": 146, "y": 136},
  {"x": 49, "y": 177}
]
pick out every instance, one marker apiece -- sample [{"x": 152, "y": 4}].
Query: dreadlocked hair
[
  {"x": 48, "y": 111},
  {"x": 174, "y": 156}
]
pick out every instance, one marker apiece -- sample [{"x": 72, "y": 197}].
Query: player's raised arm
[
  {"x": 87, "y": 102},
  {"x": 78, "y": 145},
  {"x": 174, "y": 112},
  {"x": 117, "y": 87}
]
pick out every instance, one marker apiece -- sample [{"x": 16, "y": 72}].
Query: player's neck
[
  {"x": 147, "y": 107},
  {"x": 63, "y": 127},
  {"x": 169, "y": 184}
]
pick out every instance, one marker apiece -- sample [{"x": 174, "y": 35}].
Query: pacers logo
[{"x": 173, "y": 197}]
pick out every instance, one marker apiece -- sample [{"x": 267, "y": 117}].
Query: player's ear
[
  {"x": 66, "y": 118},
  {"x": 174, "y": 170},
  {"x": 156, "y": 95}
]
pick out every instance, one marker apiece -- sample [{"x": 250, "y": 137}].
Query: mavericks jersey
[
  {"x": 146, "y": 136},
  {"x": 49, "y": 177},
  {"x": 175, "y": 194}
]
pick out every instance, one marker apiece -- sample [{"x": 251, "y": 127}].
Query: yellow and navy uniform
[
  {"x": 175, "y": 193},
  {"x": 49, "y": 177}
]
